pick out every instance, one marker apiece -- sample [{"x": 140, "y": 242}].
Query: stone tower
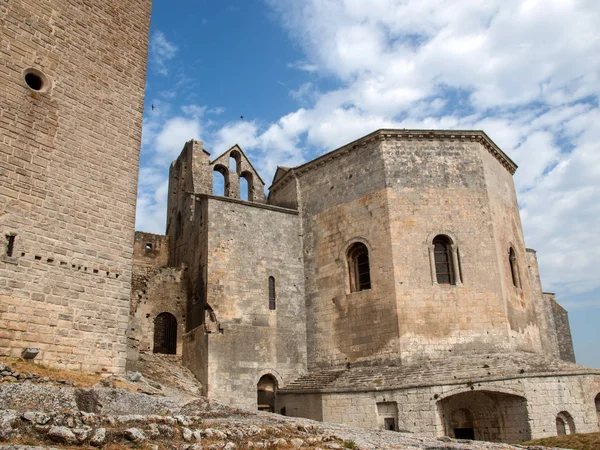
[{"x": 72, "y": 77}]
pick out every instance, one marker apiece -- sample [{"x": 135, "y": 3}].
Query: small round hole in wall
[{"x": 36, "y": 80}]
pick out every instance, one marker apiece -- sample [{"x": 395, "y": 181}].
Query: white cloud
[
  {"x": 526, "y": 72},
  {"x": 164, "y": 134},
  {"x": 303, "y": 65},
  {"x": 161, "y": 52},
  {"x": 174, "y": 133}
]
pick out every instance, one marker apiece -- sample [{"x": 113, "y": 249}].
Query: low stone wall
[{"x": 517, "y": 409}]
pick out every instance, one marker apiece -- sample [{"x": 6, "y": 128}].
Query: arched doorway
[
  {"x": 462, "y": 424},
  {"x": 597, "y": 402},
  {"x": 564, "y": 424},
  {"x": 266, "y": 390},
  {"x": 165, "y": 334},
  {"x": 485, "y": 416}
]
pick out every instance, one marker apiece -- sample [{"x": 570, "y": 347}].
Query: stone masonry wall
[
  {"x": 562, "y": 327},
  {"x": 69, "y": 160},
  {"x": 438, "y": 187},
  {"x": 248, "y": 243},
  {"x": 524, "y": 331},
  {"x": 548, "y": 335},
  {"x": 156, "y": 289},
  {"x": 421, "y": 409},
  {"x": 342, "y": 202}
]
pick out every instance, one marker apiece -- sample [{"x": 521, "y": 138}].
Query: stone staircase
[{"x": 315, "y": 380}]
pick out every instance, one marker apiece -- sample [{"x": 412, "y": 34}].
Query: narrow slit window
[
  {"x": 272, "y": 299},
  {"x": 358, "y": 267},
  {"x": 514, "y": 268},
  {"x": 442, "y": 252},
  {"x": 10, "y": 244}
]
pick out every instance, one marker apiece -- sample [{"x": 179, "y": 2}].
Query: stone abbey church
[{"x": 385, "y": 284}]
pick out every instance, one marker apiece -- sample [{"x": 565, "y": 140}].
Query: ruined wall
[
  {"x": 248, "y": 243},
  {"x": 552, "y": 319},
  {"x": 562, "y": 328},
  {"x": 344, "y": 201},
  {"x": 156, "y": 289},
  {"x": 545, "y": 319},
  {"x": 69, "y": 163},
  {"x": 235, "y": 166},
  {"x": 189, "y": 174}
]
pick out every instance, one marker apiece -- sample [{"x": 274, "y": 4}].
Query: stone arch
[
  {"x": 485, "y": 415},
  {"x": 597, "y": 403},
  {"x": 266, "y": 392},
  {"x": 248, "y": 178},
  {"x": 490, "y": 388},
  {"x": 359, "y": 267},
  {"x": 235, "y": 161},
  {"x": 224, "y": 171},
  {"x": 442, "y": 232},
  {"x": 444, "y": 252},
  {"x": 564, "y": 424},
  {"x": 165, "y": 334}
]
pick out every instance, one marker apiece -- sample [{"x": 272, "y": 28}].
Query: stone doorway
[
  {"x": 462, "y": 424},
  {"x": 165, "y": 334},
  {"x": 266, "y": 391},
  {"x": 485, "y": 416},
  {"x": 388, "y": 415}
]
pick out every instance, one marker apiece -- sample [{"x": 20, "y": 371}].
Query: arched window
[
  {"x": 442, "y": 253},
  {"x": 564, "y": 423},
  {"x": 246, "y": 186},
  {"x": 266, "y": 390},
  {"x": 165, "y": 334},
  {"x": 514, "y": 268},
  {"x": 272, "y": 299},
  {"x": 220, "y": 180},
  {"x": 234, "y": 161},
  {"x": 358, "y": 267}
]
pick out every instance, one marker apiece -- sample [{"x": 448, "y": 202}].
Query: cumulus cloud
[
  {"x": 161, "y": 52},
  {"x": 526, "y": 72}
]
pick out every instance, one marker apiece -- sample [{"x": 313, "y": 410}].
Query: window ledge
[
  {"x": 364, "y": 291},
  {"x": 9, "y": 259}
]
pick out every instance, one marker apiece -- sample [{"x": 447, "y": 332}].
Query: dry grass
[
  {"x": 587, "y": 441},
  {"x": 81, "y": 379}
]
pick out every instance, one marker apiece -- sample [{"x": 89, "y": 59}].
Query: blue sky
[{"x": 310, "y": 75}]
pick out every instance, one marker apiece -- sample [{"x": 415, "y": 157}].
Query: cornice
[{"x": 408, "y": 135}]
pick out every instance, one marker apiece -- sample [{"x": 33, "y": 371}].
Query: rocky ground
[{"x": 42, "y": 411}]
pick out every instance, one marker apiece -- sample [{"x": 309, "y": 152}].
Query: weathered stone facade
[
  {"x": 72, "y": 77},
  {"x": 385, "y": 284}
]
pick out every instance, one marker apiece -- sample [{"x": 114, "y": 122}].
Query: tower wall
[
  {"x": 437, "y": 187},
  {"x": 247, "y": 336},
  {"x": 69, "y": 157},
  {"x": 344, "y": 201}
]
